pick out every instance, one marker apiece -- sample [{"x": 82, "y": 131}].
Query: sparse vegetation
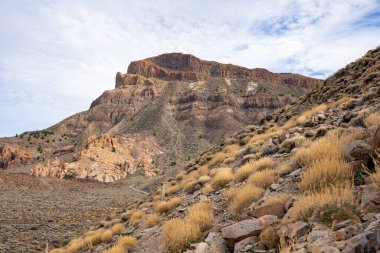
[
  {"x": 165, "y": 206},
  {"x": 179, "y": 233},
  {"x": 240, "y": 198},
  {"x": 153, "y": 220},
  {"x": 372, "y": 120},
  {"x": 268, "y": 238},
  {"x": 222, "y": 177},
  {"x": 327, "y": 172},
  {"x": 136, "y": 216},
  {"x": 262, "y": 178},
  {"x": 107, "y": 236},
  {"x": 117, "y": 228},
  {"x": 244, "y": 171},
  {"x": 332, "y": 204}
]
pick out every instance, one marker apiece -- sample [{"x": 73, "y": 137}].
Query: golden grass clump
[
  {"x": 263, "y": 137},
  {"x": 268, "y": 238},
  {"x": 279, "y": 198},
  {"x": 116, "y": 249},
  {"x": 153, "y": 220},
  {"x": 231, "y": 149},
  {"x": 136, "y": 216},
  {"x": 376, "y": 175},
  {"x": 165, "y": 206},
  {"x": 207, "y": 189},
  {"x": 262, "y": 178},
  {"x": 263, "y": 163},
  {"x": 58, "y": 250},
  {"x": 217, "y": 158},
  {"x": 302, "y": 119},
  {"x": 127, "y": 242},
  {"x": 127, "y": 215},
  {"x": 244, "y": 171},
  {"x": 240, "y": 198},
  {"x": 75, "y": 245},
  {"x": 189, "y": 184},
  {"x": 327, "y": 172},
  {"x": 107, "y": 236},
  {"x": 333, "y": 205},
  {"x": 221, "y": 177},
  {"x": 372, "y": 120},
  {"x": 94, "y": 237},
  {"x": 172, "y": 189},
  {"x": 180, "y": 233},
  {"x": 118, "y": 228},
  {"x": 331, "y": 145},
  {"x": 201, "y": 214}
]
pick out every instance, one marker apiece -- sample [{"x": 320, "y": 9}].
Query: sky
[{"x": 56, "y": 57}]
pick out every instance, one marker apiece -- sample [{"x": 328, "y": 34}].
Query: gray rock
[
  {"x": 318, "y": 234},
  {"x": 245, "y": 244},
  {"x": 276, "y": 209},
  {"x": 246, "y": 228},
  {"x": 202, "y": 247},
  {"x": 342, "y": 224}
]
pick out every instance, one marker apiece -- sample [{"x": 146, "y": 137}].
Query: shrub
[
  {"x": 136, "y": 216},
  {"x": 75, "y": 245},
  {"x": 179, "y": 233},
  {"x": 231, "y": 149},
  {"x": 127, "y": 242},
  {"x": 240, "y": 198},
  {"x": 152, "y": 220},
  {"x": 217, "y": 158},
  {"x": 165, "y": 206},
  {"x": 221, "y": 177},
  {"x": 201, "y": 214},
  {"x": 268, "y": 238},
  {"x": 207, "y": 189},
  {"x": 116, "y": 249},
  {"x": 279, "y": 198},
  {"x": 127, "y": 215},
  {"x": 326, "y": 173},
  {"x": 331, "y": 145},
  {"x": 94, "y": 237},
  {"x": 263, "y": 163},
  {"x": 244, "y": 171},
  {"x": 372, "y": 120},
  {"x": 170, "y": 190},
  {"x": 107, "y": 236},
  {"x": 333, "y": 204},
  {"x": 117, "y": 228},
  {"x": 262, "y": 178}
]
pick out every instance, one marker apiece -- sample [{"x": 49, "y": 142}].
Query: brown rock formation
[
  {"x": 13, "y": 156},
  {"x": 103, "y": 159}
]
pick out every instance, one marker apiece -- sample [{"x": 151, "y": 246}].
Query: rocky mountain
[
  {"x": 166, "y": 109},
  {"x": 305, "y": 178}
]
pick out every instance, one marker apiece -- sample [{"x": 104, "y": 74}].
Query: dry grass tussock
[
  {"x": 262, "y": 137},
  {"x": 231, "y": 149},
  {"x": 165, "y": 206},
  {"x": 328, "y": 172},
  {"x": 178, "y": 234},
  {"x": 75, "y": 245},
  {"x": 268, "y": 238},
  {"x": 172, "y": 189},
  {"x": 331, "y": 145},
  {"x": 107, "y": 236},
  {"x": 118, "y": 228},
  {"x": 303, "y": 118},
  {"x": 136, "y": 216},
  {"x": 153, "y": 220},
  {"x": 341, "y": 101},
  {"x": 207, "y": 189},
  {"x": 123, "y": 244},
  {"x": 221, "y": 177},
  {"x": 279, "y": 198},
  {"x": 372, "y": 120},
  {"x": 333, "y": 205},
  {"x": 93, "y": 238},
  {"x": 241, "y": 198},
  {"x": 217, "y": 158},
  {"x": 244, "y": 171},
  {"x": 262, "y": 178},
  {"x": 376, "y": 176}
]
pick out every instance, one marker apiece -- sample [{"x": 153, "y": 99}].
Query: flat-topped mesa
[{"x": 186, "y": 67}]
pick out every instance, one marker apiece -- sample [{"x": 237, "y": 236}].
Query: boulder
[
  {"x": 246, "y": 228},
  {"x": 204, "y": 179},
  {"x": 13, "y": 156},
  {"x": 294, "y": 230},
  {"x": 216, "y": 242},
  {"x": 245, "y": 244},
  {"x": 276, "y": 209}
]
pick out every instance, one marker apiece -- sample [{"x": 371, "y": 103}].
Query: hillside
[{"x": 303, "y": 179}]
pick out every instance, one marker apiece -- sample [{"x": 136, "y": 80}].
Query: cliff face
[{"x": 185, "y": 104}]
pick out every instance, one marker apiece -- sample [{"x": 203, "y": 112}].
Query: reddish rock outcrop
[
  {"x": 103, "y": 159},
  {"x": 13, "y": 156}
]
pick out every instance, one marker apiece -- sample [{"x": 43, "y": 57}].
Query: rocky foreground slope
[{"x": 305, "y": 179}]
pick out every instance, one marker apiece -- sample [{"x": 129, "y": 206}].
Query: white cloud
[{"x": 58, "y": 56}]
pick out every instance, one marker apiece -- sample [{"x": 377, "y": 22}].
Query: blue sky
[{"x": 58, "y": 56}]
